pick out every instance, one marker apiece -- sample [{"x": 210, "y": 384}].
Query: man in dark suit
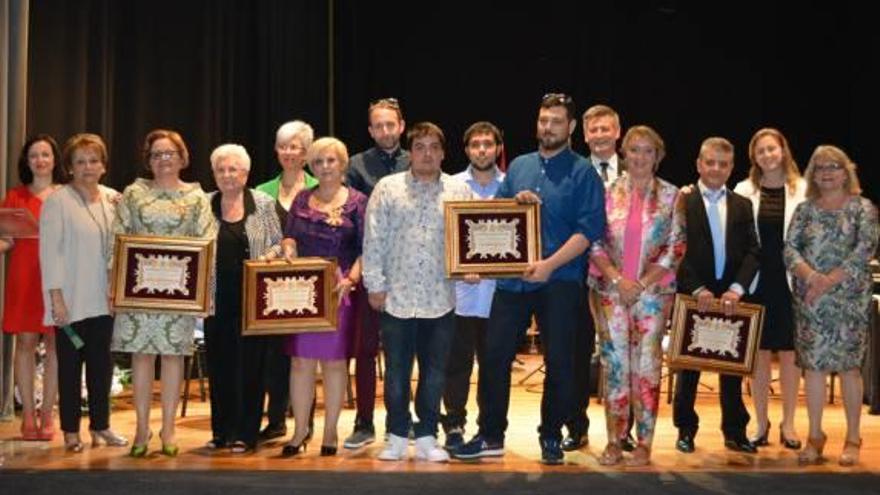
[{"x": 721, "y": 260}]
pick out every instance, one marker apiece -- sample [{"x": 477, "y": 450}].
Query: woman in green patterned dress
[
  {"x": 161, "y": 205},
  {"x": 831, "y": 238}
]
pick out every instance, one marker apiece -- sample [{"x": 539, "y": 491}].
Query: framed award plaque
[
  {"x": 162, "y": 274},
  {"x": 493, "y": 238},
  {"x": 713, "y": 341},
  {"x": 281, "y": 297}
]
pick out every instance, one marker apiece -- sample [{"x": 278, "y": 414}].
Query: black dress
[{"x": 773, "y": 291}]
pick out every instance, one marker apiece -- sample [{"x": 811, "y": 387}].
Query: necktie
[
  {"x": 604, "y": 167},
  {"x": 715, "y": 227}
]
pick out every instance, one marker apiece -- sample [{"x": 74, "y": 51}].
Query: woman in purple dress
[{"x": 325, "y": 221}]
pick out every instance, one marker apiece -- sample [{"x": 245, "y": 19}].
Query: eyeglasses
[
  {"x": 163, "y": 155},
  {"x": 293, "y": 148},
  {"x": 556, "y": 98},
  {"x": 828, "y": 167},
  {"x": 386, "y": 102}
]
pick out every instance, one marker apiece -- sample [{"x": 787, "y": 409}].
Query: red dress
[{"x": 23, "y": 303}]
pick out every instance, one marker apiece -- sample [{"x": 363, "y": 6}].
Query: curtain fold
[{"x": 13, "y": 92}]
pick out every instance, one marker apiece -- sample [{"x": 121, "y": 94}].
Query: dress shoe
[
  {"x": 685, "y": 443},
  {"x": 812, "y": 453},
  {"x": 291, "y": 449},
  {"x": 272, "y": 431},
  {"x": 551, "y": 452},
  {"x": 29, "y": 430},
  {"x": 47, "y": 428},
  {"x": 789, "y": 443},
  {"x": 762, "y": 440},
  {"x": 574, "y": 442},
  {"x": 628, "y": 444},
  {"x": 741, "y": 444},
  {"x": 850, "y": 455}
]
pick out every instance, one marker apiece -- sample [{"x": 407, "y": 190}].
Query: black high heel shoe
[
  {"x": 291, "y": 450},
  {"x": 789, "y": 443},
  {"x": 328, "y": 450},
  {"x": 762, "y": 440}
]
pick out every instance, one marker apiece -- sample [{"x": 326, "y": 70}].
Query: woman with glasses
[
  {"x": 635, "y": 279},
  {"x": 74, "y": 249},
  {"x": 161, "y": 205},
  {"x": 248, "y": 228},
  {"x": 832, "y": 237},
  {"x": 40, "y": 173},
  {"x": 775, "y": 188}
]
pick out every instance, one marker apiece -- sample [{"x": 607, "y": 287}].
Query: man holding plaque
[
  {"x": 482, "y": 145},
  {"x": 572, "y": 218},
  {"x": 404, "y": 273},
  {"x": 721, "y": 219}
]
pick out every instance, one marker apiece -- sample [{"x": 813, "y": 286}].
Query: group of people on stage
[{"x": 617, "y": 243}]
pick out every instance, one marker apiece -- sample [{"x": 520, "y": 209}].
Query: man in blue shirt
[
  {"x": 572, "y": 201},
  {"x": 482, "y": 145}
]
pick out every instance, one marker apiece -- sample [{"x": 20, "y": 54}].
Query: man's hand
[
  {"x": 527, "y": 197},
  {"x": 704, "y": 300},
  {"x": 471, "y": 278},
  {"x": 538, "y": 271},
  {"x": 377, "y": 300},
  {"x": 729, "y": 301}
]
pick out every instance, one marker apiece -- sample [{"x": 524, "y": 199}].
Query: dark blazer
[{"x": 697, "y": 268}]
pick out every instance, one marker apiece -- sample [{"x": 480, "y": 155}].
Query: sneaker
[
  {"x": 428, "y": 450},
  {"x": 454, "y": 439},
  {"x": 479, "y": 446},
  {"x": 551, "y": 452},
  {"x": 395, "y": 448},
  {"x": 361, "y": 436}
]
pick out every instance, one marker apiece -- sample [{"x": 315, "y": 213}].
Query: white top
[
  {"x": 792, "y": 199},
  {"x": 613, "y": 169},
  {"x": 405, "y": 246},
  {"x": 73, "y": 256}
]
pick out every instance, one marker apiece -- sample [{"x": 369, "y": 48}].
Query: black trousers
[
  {"x": 469, "y": 338},
  {"x": 734, "y": 416},
  {"x": 96, "y": 333},
  {"x": 277, "y": 384},
  {"x": 236, "y": 371},
  {"x": 584, "y": 345}
]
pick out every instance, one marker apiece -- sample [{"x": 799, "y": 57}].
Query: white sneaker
[
  {"x": 395, "y": 448},
  {"x": 428, "y": 450}
]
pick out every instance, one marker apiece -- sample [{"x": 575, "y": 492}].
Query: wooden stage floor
[{"x": 522, "y": 454}]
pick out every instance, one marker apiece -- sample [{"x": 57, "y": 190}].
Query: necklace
[
  {"x": 103, "y": 226},
  {"x": 333, "y": 208}
]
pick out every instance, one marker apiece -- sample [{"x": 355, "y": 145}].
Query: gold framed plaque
[
  {"x": 282, "y": 298},
  {"x": 712, "y": 341},
  {"x": 493, "y": 238},
  {"x": 18, "y": 222},
  {"x": 162, "y": 274}
]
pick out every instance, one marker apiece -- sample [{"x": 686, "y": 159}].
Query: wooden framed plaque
[
  {"x": 712, "y": 341},
  {"x": 162, "y": 274},
  {"x": 281, "y": 297},
  {"x": 493, "y": 238},
  {"x": 18, "y": 222}
]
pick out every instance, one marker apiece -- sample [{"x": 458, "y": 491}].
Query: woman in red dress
[{"x": 23, "y": 303}]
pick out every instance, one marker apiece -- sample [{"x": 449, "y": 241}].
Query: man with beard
[
  {"x": 482, "y": 145},
  {"x": 552, "y": 289},
  {"x": 386, "y": 125}
]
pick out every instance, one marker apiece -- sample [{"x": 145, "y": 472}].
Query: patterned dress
[
  {"x": 185, "y": 212},
  {"x": 830, "y": 334}
]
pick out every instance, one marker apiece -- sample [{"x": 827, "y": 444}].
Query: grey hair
[
  {"x": 295, "y": 129},
  {"x": 230, "y": 150}
]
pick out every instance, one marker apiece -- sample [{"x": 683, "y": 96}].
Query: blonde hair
[
  {"x": 331, "y": 144},
  {"x": 643, "y": 131},
  {"x": 792, "y": 174},
  {"x": 829, "y": 153}
]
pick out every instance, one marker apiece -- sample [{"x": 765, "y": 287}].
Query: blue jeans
[
  {"x": 428, "y": 340},
  {"x": 559, "y": 309}
]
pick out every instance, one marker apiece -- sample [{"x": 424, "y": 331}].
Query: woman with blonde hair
[{"x": 832, "y": 237}]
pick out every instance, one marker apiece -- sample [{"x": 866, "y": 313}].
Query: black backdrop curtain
[{"x": 233, "y": 70}]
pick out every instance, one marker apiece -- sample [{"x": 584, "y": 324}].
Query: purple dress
[{"x": 315, "y": 237}]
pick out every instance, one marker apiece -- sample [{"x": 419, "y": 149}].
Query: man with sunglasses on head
[
  {"x": 552, "y": 289},
  {"x": 386, "y": 125}
]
